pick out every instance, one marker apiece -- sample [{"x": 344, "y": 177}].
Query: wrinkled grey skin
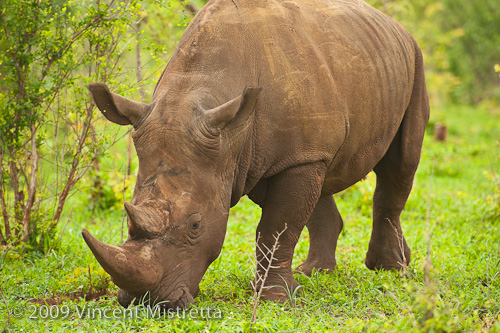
[{"x": 287, "y": 102}]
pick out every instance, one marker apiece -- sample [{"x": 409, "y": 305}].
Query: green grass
[{"x": 455, "y": 182}]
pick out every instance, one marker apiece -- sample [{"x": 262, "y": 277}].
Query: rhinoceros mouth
[
  {"x": 179, "y": 299},
  {"x": 125, "y": 298}
]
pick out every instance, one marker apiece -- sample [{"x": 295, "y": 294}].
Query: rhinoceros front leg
[
  {"x": 290, "y": 199},
  {"x": 324, "y": 225}
]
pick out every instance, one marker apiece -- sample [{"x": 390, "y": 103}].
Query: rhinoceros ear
[
  {"x": 235, "y": 112},
  {"x": 115, "y": 108}
]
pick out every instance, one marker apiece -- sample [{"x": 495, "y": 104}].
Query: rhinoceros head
[{"x": 178, "y": 214}]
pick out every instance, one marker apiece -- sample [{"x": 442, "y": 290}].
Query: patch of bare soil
[{"x": 59, "y": 299}]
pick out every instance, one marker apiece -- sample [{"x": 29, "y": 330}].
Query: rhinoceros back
[{"x": 337, "y": 77}]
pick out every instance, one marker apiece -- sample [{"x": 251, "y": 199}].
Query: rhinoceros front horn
[{"x": 130, "y": 266}]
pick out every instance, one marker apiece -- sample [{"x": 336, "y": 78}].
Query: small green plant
[
  {"x": 87, "y": 279},
  {"x": 292, "y": 294}
]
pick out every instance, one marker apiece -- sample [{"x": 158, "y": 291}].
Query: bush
[
  {"x": 50, "y": 51},
  {"x": 459, "y": 42}
]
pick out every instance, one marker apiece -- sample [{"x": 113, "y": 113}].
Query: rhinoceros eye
[{"x": 194, "y": 222}]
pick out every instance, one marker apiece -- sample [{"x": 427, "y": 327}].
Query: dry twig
[
  {"x": 399, "y": 235},
  {"x": 260, "y": 280},
  {"x": 428, "y": 261},
  {"x": 6, "y": 307}
]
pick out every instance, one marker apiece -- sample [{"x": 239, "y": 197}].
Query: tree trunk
[
  {"x": 70, "y": 181},
  {"x": 32, "y": 187},
  {"x": 5, "y": 214},
  {"x": 138, "y": 61}
]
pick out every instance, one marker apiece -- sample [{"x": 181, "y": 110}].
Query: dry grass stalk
[
  {"x": 399, "y": 235},
  {"x": 260, "y": 279},
  {"x": 428, "y": 259},
  {"x": 6, "y": 307}
]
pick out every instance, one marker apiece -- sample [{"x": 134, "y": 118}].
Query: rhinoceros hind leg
[
  {"x": 395, "y": 172},
  {"x": 388, "y": 249},
  {"x": 290, "y": 199},
  {"x": 324, "y": 225}
]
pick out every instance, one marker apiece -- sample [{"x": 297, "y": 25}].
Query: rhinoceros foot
[
  {"x": 388, "y": 257},
  {"x": 308, "y": 267}
]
